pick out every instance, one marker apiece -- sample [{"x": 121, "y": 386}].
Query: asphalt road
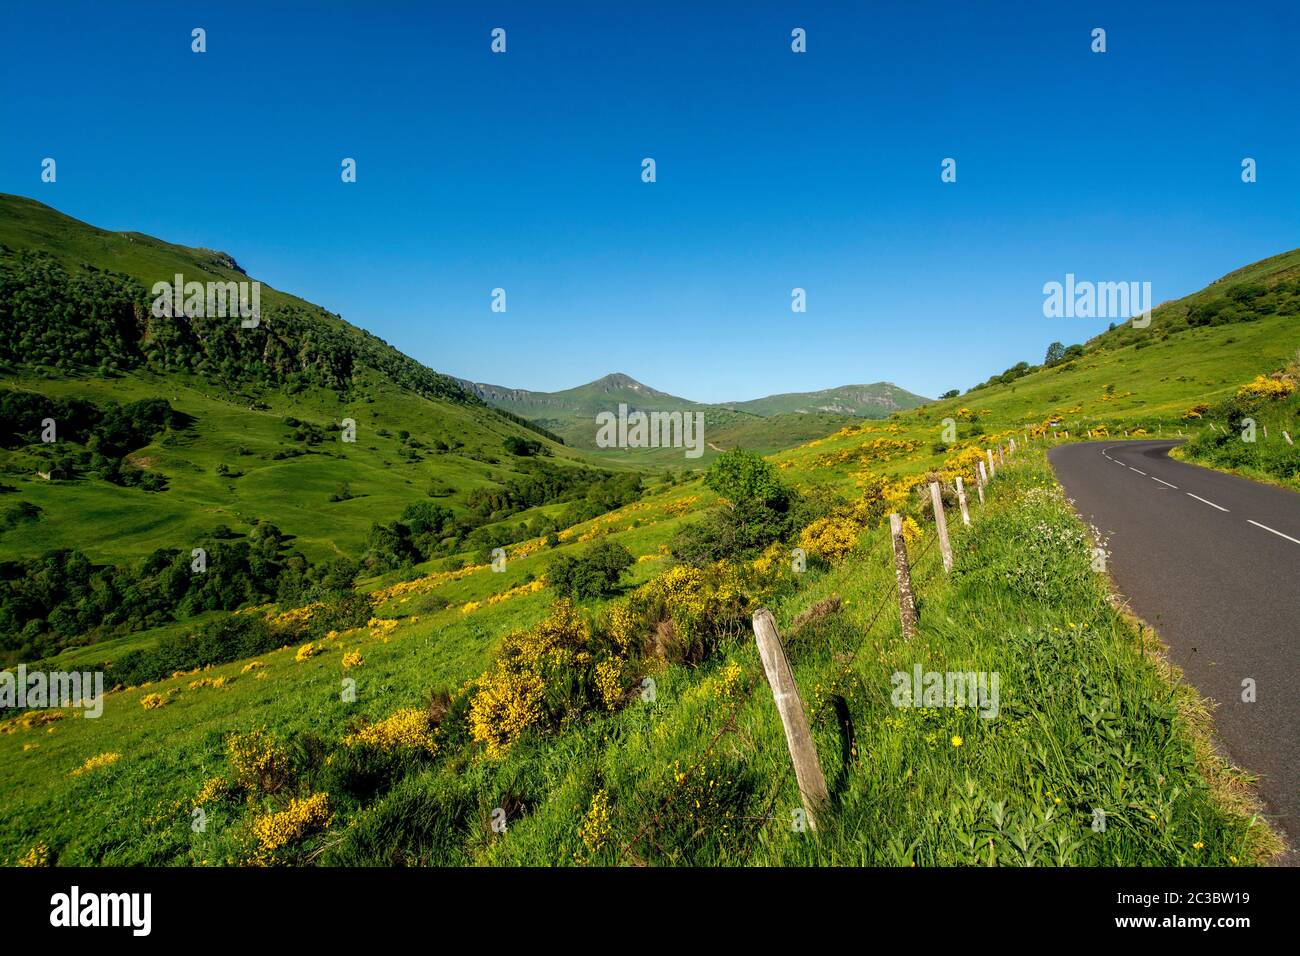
[{"x": 1212, "y": 561}]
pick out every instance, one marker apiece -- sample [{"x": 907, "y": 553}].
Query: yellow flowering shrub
[
  {"x": 381, "y": 626},
  {"x": 1264, "y": 388},
  {"x": 260, "y": 763},
  {"x": 504, "y": 706},
  {"x": 275, "y": 830},
  {"x": 214, "y": 788},
  {"x": 911, "y": 530},
  {"x": 308, "y": 650},
  {"x": 609, "y": 681},
  {"x": 251, "y": 666},
  {"x": 406, "y": 729},
  {"x": 596, "y": 825},
  {"x": 541, "y": 675},
  {"x": 830, "y": 537},
  {"x": 152, "y": 701},
  {"x": 727, "y": 682},
  {"x": 352, "y": 659},
  {"x": 1196, "y": 411},
  {"x": 964, "y": 463},
  {"x": 94, "y": 763}
]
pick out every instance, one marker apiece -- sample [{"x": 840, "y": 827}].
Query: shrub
[
  {"x": 259, "y": 762},
  {"x": 594, "y": 574}
]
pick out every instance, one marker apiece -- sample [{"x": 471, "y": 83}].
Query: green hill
[
  {"x": 864, "y": 401},
  {"x": 764, "y": 424},
  {"x": 632, "y": 725},
  {"x": 180, "y": 433}
]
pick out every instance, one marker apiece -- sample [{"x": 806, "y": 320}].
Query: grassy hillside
[
  {"x": 698, "y": 774},
  {"x": 394, "y": 720},
  {"x": 255, "y": 435},
  {"x": 864, "y": 401}
]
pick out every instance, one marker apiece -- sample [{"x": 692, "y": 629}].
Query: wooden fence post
[
  {"x": 1288, "y": 438},
  {"x": 961, "y": 500},
  {"x": 903, "y": 572},
  {"x": 979, "y": 482},
  {"x": 803, "y": 752},
  {"x": 1002, "y": 455},
  {"x": 992, "y": 471},
  {"x": 1013, "y": 446},
  {"x": 941, "y": 525}
]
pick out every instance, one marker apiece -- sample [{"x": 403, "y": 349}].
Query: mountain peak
[{"x": 618, "y": 381}]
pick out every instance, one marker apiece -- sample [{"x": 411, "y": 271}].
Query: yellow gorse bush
[
  {"x": 259, "y": 762},
  {"x": 152, "y": 701},
  {"x": 609, "y": 681},
  {"x": 275, "y": 830},
  {"x": 830, "y": 537},
  {"x": 596, "y": 825},
  {"x": 406, "y": 729},
  {"x": 353, "y": 659},
  {"x": 510, "y": 695},
  {"x": 1267, "y": 389},
  {"x": 308, "y": 650}
]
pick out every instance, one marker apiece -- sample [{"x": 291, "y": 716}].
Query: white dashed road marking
[
  {"x": 1154, "y": 478},
  {"x": 1210, "y": 503},
  {"x": 1274, "y": 530},
  {"x": 1142, "y": 473}
]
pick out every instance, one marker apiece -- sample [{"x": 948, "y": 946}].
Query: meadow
[{"x": 474, "y": 715}]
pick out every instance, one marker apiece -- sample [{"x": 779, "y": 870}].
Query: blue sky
[{"x": 775, "y": 170}]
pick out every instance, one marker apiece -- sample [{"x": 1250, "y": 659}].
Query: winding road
[{"x": 1212, "y": 561}]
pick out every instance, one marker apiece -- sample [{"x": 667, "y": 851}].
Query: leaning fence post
[
  {"x": 961, "y": 500},
  {"x": 1288, "y": 438},
  {"x": 903, "y": 572},
  {"x": 803, "y": 752},
  {"x": 941, "y": 525},
  {"x": 992, "y": 470},
  {"x": 979, "y": 482}
]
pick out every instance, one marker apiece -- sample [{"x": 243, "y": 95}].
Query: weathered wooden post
[
  {"x": 979, "y": 482},
  {"x": 803, "y": 752},
  {"x": 1288, "y": 438},
  {"x": 992, "y": 470},
  {"x": 941, "y": 525},
  {"x": 1002, "y": 455},
  {"x": 1013, "y": 446},
  {"x": 903, "y": 572},
  {"x": 961, "y": 500}
]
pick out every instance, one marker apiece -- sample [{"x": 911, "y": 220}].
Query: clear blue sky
[{"x": 775, "y": 170}]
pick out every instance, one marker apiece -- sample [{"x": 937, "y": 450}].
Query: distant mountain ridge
[
  {"x": 762, "y": 424},
  {"x": 876, "y": 400}
]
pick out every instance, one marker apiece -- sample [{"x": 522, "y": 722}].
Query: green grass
[
  {"x": 1086, "y": 720},
  {"x": 1090, "y": 715}
]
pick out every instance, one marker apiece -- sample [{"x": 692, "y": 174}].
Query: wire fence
[{"x": 847, "y": 655}]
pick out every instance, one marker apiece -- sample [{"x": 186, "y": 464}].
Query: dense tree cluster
[
  {"x": 758, "y": 508},
  {"x": 91, "y": 319},
  {"x": 593, "y": 574},
  {"x": 62, "y": 598}
]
